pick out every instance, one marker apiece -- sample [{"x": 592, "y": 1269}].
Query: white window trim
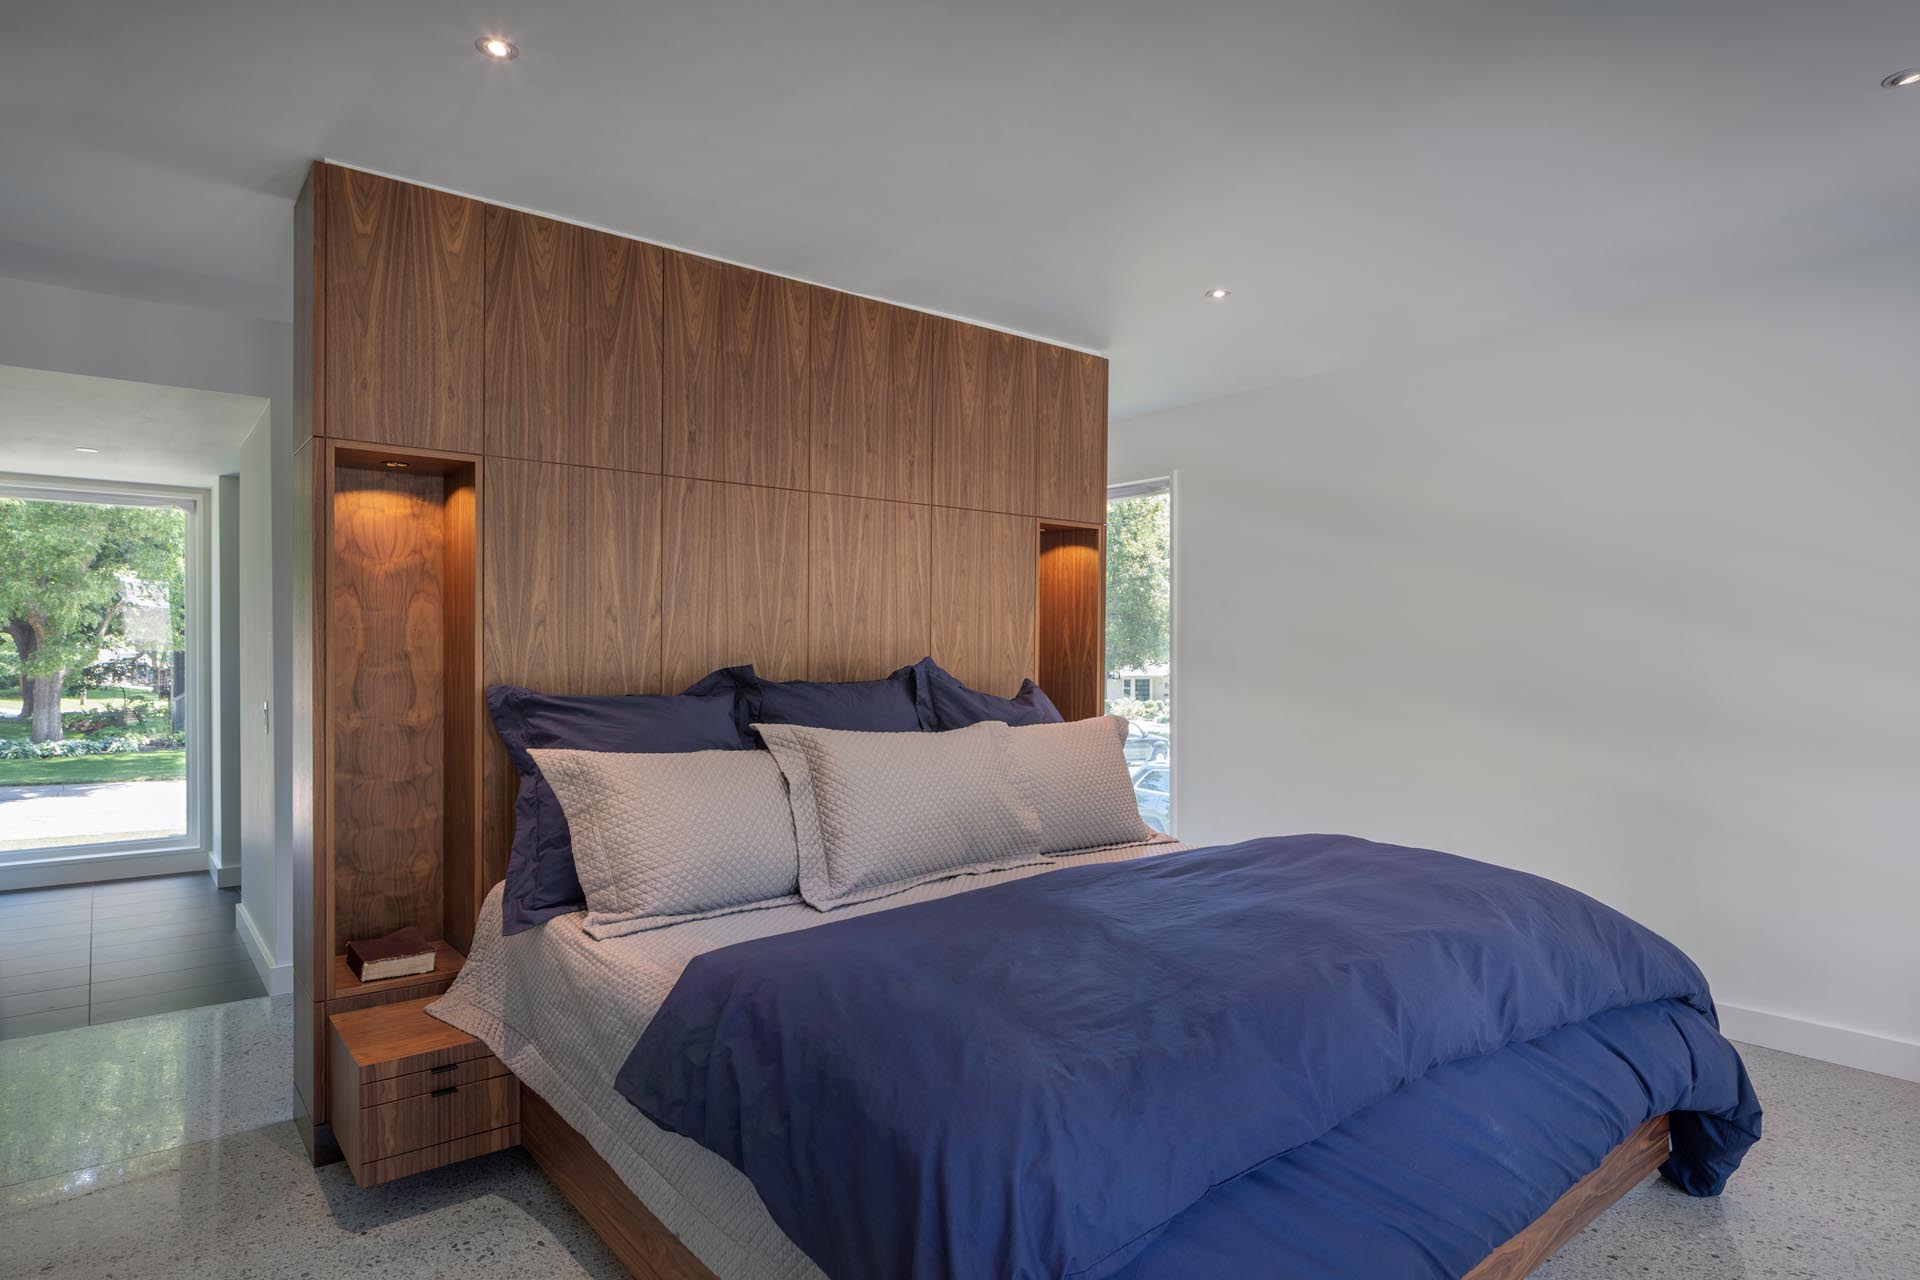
[{"x": 197, "y": 503}]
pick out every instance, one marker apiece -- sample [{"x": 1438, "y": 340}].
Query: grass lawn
[{"x": 128, "y": 766}]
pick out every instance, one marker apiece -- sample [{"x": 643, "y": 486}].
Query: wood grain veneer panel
[
  {"x": 736, "y": 374},
  {"x": 573, "y": 343},
  {"x": 1070, "y": 435},
  {"x": 1625, "y": 1167},
  {"x": 571, "y": 602},
  {"x": 309, "y": 287},
  {"x": 872, "y": 384},
  {"x": 463, "y": 888},
  {"x": 734, "y": 579},
  {"x": 868, "y": 589},
  {"x": 641, "y": 1241},
  {"x": 1072, "y": 620},
  {"x": 402, "y": 313},
  {"x": 984, "y": 597},
  {"x": 386, "y": 702},
  {"x": 983, "y": 418},
  {"x": 305, "y": 721}
]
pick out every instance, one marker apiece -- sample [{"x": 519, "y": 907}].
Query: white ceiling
[
  {"x": 155, "y": 435},
  {"x": 1368, "y": 176}
]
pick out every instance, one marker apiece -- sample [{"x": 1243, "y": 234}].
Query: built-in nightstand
[{"x": 411, "y": 1093}]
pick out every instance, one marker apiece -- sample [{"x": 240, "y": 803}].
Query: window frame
[{"x": 196, "y": 504}]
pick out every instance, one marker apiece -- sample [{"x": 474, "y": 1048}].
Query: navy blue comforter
[{"x": 1302, "y": 1056}]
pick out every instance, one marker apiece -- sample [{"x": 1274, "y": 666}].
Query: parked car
[
  {"x": 1145, "y": 742},
  {"x": 1152, "y": 789}
]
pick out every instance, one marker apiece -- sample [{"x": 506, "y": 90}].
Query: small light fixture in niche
[
  {"x": 1902, "y": 79},
  {"x": 498, "y": 48},
  {"x": 1217, "y": 294},
  {"x": 84, "y": 448},
  {"x": 394, "y": 464}
]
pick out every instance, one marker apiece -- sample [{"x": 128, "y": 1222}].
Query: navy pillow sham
[
  {"x": 541, "y": 882},
  {"x": 955, "y": 706},
  {"x": 897, "y": 704}
]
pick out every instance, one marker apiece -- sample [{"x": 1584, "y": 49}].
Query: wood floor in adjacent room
[
  {"x": 161, "y": 1146},
  {"x": 94, "y": 953}
]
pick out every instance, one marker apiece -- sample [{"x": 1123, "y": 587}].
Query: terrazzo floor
[{"x": 162, "y": 1146}]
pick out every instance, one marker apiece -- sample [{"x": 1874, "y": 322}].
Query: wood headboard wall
[{"x": 534, "y": 453}]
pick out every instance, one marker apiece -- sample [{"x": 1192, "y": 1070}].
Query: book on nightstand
[{"x": 402, "y": 952}]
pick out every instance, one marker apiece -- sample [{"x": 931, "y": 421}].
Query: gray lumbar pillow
[
  {"x": 1076, "y": 776},
  {"x": 660, "y": 839},
  {"x": 875, "y": 813}
]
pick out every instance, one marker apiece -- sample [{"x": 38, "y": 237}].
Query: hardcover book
[{"x": 402, "y": 952}]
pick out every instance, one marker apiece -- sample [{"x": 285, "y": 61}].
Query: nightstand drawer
[
  {"x": 442, "y": 1115},
  {"x": 375, "y": 1092},
  {"x": 411, "y": 1093}
]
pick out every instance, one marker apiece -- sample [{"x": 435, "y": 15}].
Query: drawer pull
[
  {"x": 440, "y": 1071},
  {"x": 441, "y": 1093}
]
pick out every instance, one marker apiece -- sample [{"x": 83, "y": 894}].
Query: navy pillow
[
  {"x": 955, "y": 706},
  {"x": 541, "y": 882},
  {"x": 896, "y": 704}
]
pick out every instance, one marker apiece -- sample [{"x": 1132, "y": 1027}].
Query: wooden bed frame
[{"x": 651, "y": 1252}]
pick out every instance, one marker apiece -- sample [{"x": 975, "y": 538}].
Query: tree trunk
[
  {"x": 179, "y": 688},
  {"x": 45, "y": 692}
]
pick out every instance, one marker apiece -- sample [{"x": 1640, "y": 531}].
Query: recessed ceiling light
[
  {"x": 1902, "y": 79},
  {"x": 1217, "y": 294},
  {"x": 497, "y": 47},
  {"x": 81, "y": 448}
]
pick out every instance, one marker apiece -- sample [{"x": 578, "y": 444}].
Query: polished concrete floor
[
  {"x": 161, "y": 1146},
  {"x": 93, "y": 953}
]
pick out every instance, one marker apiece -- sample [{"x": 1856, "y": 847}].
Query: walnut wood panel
[
  {"x": 463, "y": 886},
  {"x": 402, "y": 346},
  {"x": 735, "y": 374},
  {"x": 398, "y": 1038},
  {"x": 441, "y": 1115},
  {"x": 983, "y": 418},
  {"x": 1070, "y": 441},
  {"x": 984, "y": 597},
  {"x": 571, "y": 599},
  {"x": 386, "y": 702},
  {"x": 1072, "y": 623},
  {"x": 733, "y": 579},
  {"x": 573, "y": 343},
  {"x": 868, "y": 590},
  {"x": 414, "y": 1083},
  {"x": 375, "y": 1172},
  {"x": 305, "y": 720},
  {"x": 641, "y": 1242},
  {"x": 309, "y": 286},
  {"x": 872, "y": 382},
  {"x": 1625, "y": 1167}
]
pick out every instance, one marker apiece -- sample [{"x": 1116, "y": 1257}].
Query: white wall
[
  {"x": 1632, "y": 602},
  {"x": 73, "y": 331}
]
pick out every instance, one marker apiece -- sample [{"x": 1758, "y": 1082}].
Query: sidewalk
[{"x": 90, "y": 812}]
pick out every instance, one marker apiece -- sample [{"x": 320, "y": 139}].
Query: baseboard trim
[
  {"x": 224, "y": 877},
  {"x": 1885, "y": 1055},
  {"x": 277, "y": 978},
  {"x": 46, "y": 872}
]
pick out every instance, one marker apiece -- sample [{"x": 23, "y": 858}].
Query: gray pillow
[
  {"x": 875, "y": 813},
  {"x": 1076, "y": 776},
  {"x": 661, "y": 839}
]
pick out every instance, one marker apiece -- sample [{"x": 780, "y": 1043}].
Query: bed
[{"x": 1478, "y": 1162}]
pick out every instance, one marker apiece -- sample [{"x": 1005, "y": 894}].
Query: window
[
  {"x": 1140, "y": 638},
  {"x": 103, "y": 697}
]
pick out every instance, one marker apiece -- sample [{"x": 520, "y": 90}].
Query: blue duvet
[{"x": 1300, "y": 1056}]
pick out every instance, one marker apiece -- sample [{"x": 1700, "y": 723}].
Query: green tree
[
  {"x": 1139, "y": 581},
  {"x": 68, "y": 573}
]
